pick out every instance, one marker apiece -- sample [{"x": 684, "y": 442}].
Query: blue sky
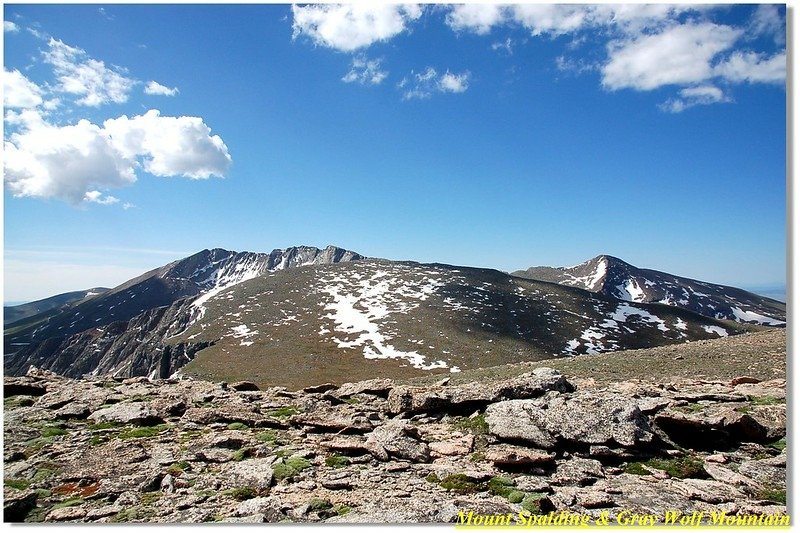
[{"x": 490, "y": 136}]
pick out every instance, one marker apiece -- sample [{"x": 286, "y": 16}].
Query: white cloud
[
  {"x": 454, "y": 83},
  {"x": 505, "y": 45},
  {"x": 155, "y": 88},
  {"x": 365, "y": 71},
  {"x": 554, "y": 19},
  {"x": 63, "y": 162},
  {"x": 693, "y": 96},
  {"x": 19, "y": 91},
  {"x": 768, "y": 19},
  {"x": 72, "y": 163},
  {"x": 421, "y": 85},
  {"x": 170, "y": 146},
  {"x": 352, "y": 26},
  {"x": 10, "y": 27},
  {"x": 753, "y": 67},
  {"x": 96, "y": 197},
  {"x": 88, "y": 78},
  {"x": 679, "y": 55},
  {"x": 479, "y": 18}
]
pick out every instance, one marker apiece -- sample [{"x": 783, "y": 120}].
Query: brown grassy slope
[{"x": 759, "y": 354}]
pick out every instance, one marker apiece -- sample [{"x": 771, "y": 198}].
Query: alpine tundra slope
[{"x": 304, "y": 316}]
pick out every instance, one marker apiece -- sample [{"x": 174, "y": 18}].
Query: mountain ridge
[{"x": 614, "y": 277}]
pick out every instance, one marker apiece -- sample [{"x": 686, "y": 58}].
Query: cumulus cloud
[
  {"x": 88, "y": 78},
  {"x": 679, "y": 55},
  {"x": 478, "y": 18},
  {"x": 10, "y": 27},
  {"x": 64, "y": 162},
  {"x": 73, "y": 163},
  {"x": 170, "y": 146},
  {"x": 753, "y": 68},
  {"x": 19, "y": 91},
  {"x": 421, "y": 85},
  {"x": 155, "y": 88},
  {"x": 350, "y": 27},
  {"x": 365, "y": 71},
  {"x": 693, "y": 96}
]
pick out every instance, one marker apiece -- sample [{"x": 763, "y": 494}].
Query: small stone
[
  {"x": 66, "y": 513},
  {"x": 717, "y": 458}
]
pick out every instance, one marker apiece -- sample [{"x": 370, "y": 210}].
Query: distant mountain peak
[{"x": 611, "y": 276}]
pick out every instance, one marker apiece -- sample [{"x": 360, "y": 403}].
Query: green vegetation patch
[
  {"x": 284, "y": 412},
  {"x": 240, "y": 426},
  {"x": 515, "y": 496},
  {"x": 52, "y": 431},
  {"x": 476, "y": 424},
  {"x": 69, "y": 502},
  {"x": 342, "y": 509},
  {"x": 773, "y": 494},
  {"x": 779, "y": 445},
  {"x": 766, "y": 400},
  {"x": 460, "y": 483},
  {"x": 319, "y": 504},
  {"x": 19, "y": 484},
  {"x": 143, "y": 432},
  {"x": 534, "y": 503},
  {"x": 290, "y": 467},
  {"x": 336, "y": 461},
  {"x": 680, "y": 467},
  {"x": 269, "y": 436},
  {"x": 501, "y": 486},
  {"x": 636, "y": 469},
  {"x": 242, "y": 493}
]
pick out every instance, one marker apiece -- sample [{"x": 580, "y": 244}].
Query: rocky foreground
[{"x": 134, "y": 450}]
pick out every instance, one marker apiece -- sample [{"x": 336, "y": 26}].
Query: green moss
[
  {"x": 149, "y": 498},
  {"x": 432, "y": 478},
  {"x": 515, "y": 496},
  {"x": 773, "y": 494},
  {"x": 284, "y": 412},
  {"x": 42, "y": 474},
  {"x": 176, "y": 469},
  {"x": 104, "y": 425},
  {"x": 242, "y": 493},
  {"x": 477, "y": 457},
  {"x": 501, "y": 486},
  {"x": 779, "y": 445},
  {"x": 318, "y": 504},
  {"x": 476, "y": 424},
  {"x": 238, "y": 426},
  {"x": 680, "y": 467},
  {"x": 637, "y": 469},
  {"x": 352, "y": 401},
  {"x": 460, "y": 483},
  {"x": 242, "y": 453},
  {"x": 69, "y": 502},
  {"x": 267, "y": 436},
  {"x": 342, "y": 509},
  {"x": 97, "y": 440},
  {"x": 290, "y": 467},
  {"x": 143, "y": 432},
  {"x": 51, "y": 431},
  {"x": 19, "y": 484},
  {"x": 336, "y": 461},
  {"x": 283, "y": 453},
  {"x": 533, "y": 502},
  {"x": 766, "y": 400},
  {"x": 43, "y": 493}
]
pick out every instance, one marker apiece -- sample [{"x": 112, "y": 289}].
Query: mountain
[
  {"x": 204, "y": 273},
  {"x": 332, "y": 319},
  {"x": 615, "y": 278},
  {"x": 14, "y": 313}
]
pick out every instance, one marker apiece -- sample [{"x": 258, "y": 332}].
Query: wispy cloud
[
  {"x": 155, "y": 88},
  {"x": 421, "y": 85},
  {"x": 365, "y": 71}
]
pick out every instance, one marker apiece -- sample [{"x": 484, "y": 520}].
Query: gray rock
[
  {"x": 397, "y": 439},
  {"x": 266, "y": 506},
  {"x": 403, "y": 399},
  {"x": 508, "y": 455},
  {"x": 66, "y": 514},
  {"x": 256, "y": 473},
  {"x": 577, "y": 472},
  {"x": 127, "y": 413}
]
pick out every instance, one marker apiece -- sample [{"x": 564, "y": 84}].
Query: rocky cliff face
[
  {"x": 139, "y": 450},
  {"x": 615, "y": 278}
]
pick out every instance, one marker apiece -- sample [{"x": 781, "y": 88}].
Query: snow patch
[
  {"x": 716, "y": 329},
  {"x": 750, "y": 316}
]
